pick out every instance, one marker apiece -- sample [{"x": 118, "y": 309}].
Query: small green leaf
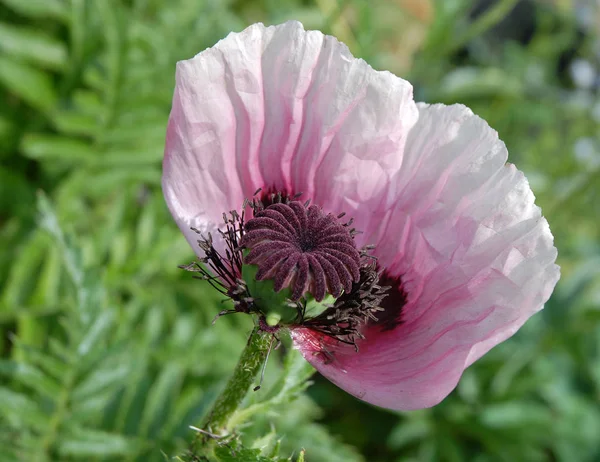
[
  {"x": 95, "y": 333},
  {"x": 45, "y": 361},
  {"x": 133, "y": 156},
  {"x": 411, "y": 430},
  {"x": 88, "y": 103},
  {"x": 470, "y": 82},
  {"x": 8, "y": 135},
  {"x": 51, "y": 147},
  {"x": 70, "y": 254},
  {"x": 160, "y": 399},
  {"x": 41, "y": 9},
  {"x": 293, "y": 381},
  {"x": 273, "y": 304},
  {"x": 47, "y": 290},
  {"x": 101, "y": 378},
  {"x": 88, "y": 443},
  {"x": 268, "y": 444},
  {"x": 134, "y": 130},
  {"x": 30, "y": 376},
  {"x": 28, "y": 83},
  {"x": 231, "y": 454},
  {"x": 191, "y": 404},
  {"x": 516, "y": 414},
  {"x": 22, "y": 277},
  {"x": 32, "y": 45},
  {"x": 10, "y": 453},
  {"x": 145, "y": 229},
  {"x": 19, "y": 409},
  {"x": 75, "y": 123}
]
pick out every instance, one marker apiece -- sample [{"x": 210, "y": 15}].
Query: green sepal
[
  {"x": 274, "y": 305},
  {"x": 315, "y": 308}
]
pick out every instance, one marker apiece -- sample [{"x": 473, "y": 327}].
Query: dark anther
[
  {"x": 222, "y": 271},
  {"x": 390, "y": 315},
  {"x": 299, "y": 246},
  {"x": 360, "y": 306}
]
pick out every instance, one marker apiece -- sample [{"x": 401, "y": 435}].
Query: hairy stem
[{"x": 249, "y": 364}]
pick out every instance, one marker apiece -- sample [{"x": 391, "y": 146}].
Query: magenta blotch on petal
[
  {"x": 453, "y": 224},
  {"x": 475, "y": 257}
]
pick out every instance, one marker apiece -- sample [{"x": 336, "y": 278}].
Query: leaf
[
  {"x": 21, "y": 279},
  {"x": 42, "y": 9},
  {"x": 189, "y": 407},
  {"x": 147, "y": 128},
  {"x": 114, "y": 24},
  {"x": 20, "y": 410},
  {"x": 88, "y": 443},
  {"x": 51, "y": 147},
  {"x": 10, "y": 454},
  {"x": 516, "y": 414},
  {"x": 228, "y": 454},
  {"x": 95, "y": 333},
  {"x": 109, "y": 374},
  {"x": 28, "y": 83},
  {"x": 8, "y": 131},
  {"x": 292, "y": 382},
  {"x": 44, "y": 360},
  {"x": 88, "y": 103},
  {"x": 146, "y": 229},
  {"x": 71, "y": 255},
  {"x": 49, "y": 278},
  {"x": 296, "y": 373},
  {"x": 31, "y": 377},
  {"x": 133, "y": 156},
  {"x": 470, "y": 82},
  {"x": 32, "y": 45},
  {"x": 134, "y": 401},
  {"x": 98, "y": 184},
  {"x": 268, "y": 444},
  {"x": 412, "y": 430},
  {"x": 160, "y": 399},
  {"x": 75, "y": 123}
]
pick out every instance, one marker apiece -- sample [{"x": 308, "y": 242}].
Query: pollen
[{"x": 300, "y": 247}]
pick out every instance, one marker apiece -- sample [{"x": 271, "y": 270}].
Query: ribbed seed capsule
[{"x": 300, "y": 247}]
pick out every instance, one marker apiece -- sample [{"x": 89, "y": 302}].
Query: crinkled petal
[
  {"x": 283, "y": 109},
  {"x": 476, "y": 258}
]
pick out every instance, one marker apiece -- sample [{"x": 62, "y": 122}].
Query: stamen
[
  {"x": 300, "y": 247},
  {"x": 353, "y": 310},
  {"x": 390, "y": 315},
  {"x": 222, "y": 272}
]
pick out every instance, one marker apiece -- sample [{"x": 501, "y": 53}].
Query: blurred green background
[{"x": 107, "y": 349}]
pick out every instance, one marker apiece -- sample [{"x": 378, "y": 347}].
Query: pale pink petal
[
  {"x": 475, "y": 256},
  {"x": 283, "y": 109}
]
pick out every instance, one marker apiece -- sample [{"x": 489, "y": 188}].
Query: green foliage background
[{"x": 107, "y": 352}]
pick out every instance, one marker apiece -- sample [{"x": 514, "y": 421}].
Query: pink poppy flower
[{"x": 455, "y": 230}]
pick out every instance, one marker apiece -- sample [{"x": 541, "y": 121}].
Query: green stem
[{"x": 251, "y": 360}]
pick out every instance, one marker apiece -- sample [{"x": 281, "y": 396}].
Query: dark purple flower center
[{"x": 300, "y": 247}]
